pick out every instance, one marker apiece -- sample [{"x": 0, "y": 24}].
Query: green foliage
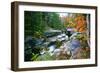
[
  {"x": 34, "y": 56},
  {"x": 37, "y": 22},
  {"x": 54, "y": 21},
  {"x": 38, "y": 34},
  {"x": 83, "y": 40},
  {"x": 33, "y": 23},
  {"x": 44, "y": 57},
  {"x": 58, "y": 44}
]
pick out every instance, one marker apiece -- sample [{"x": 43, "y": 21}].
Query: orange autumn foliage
[
  {"x": 81, "y": 23},
  {"x": 77, "y": 21},
  {"x": 70, "y": 22}
]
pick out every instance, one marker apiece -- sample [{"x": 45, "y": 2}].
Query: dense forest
[{"x": 38, "y": 22}]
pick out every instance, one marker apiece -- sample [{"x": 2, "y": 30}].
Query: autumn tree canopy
[{"x": 77, "y": 21}]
